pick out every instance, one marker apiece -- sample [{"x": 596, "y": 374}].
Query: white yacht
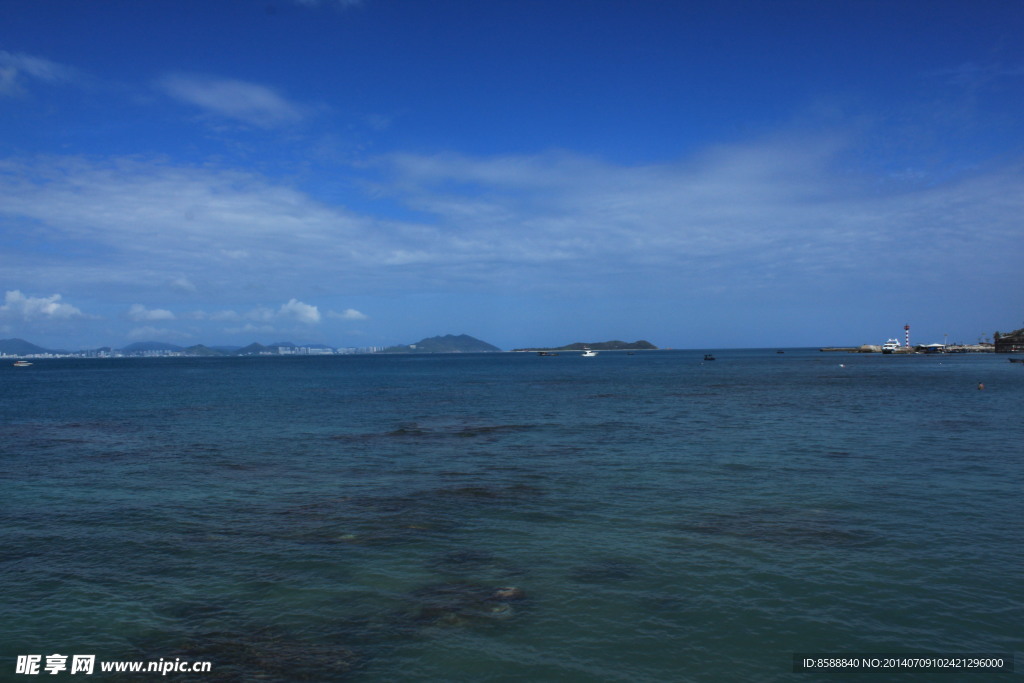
[
  {"x": 587, "y": 353},
  {"x": 890, "y": 346}
]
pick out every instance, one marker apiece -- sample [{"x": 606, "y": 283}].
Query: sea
[{"x": 652, "y": 516}]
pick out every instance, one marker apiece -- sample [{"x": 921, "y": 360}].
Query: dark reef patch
[
  {"x": 418, "y": 431},
  {"x": 610, "y": 570},
  {"x": 264, "y": 655},
  {"x": 464, "y": 604}
]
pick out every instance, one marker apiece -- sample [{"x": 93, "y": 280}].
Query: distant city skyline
[{"x": 363, "y": 173}]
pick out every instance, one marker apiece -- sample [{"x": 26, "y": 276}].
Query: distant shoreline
[{"x": 302, "y": 352}]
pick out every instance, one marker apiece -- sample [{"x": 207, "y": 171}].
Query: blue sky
[{"x": 356, "y": 173}]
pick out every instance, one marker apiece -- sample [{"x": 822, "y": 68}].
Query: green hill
[
  {"x": 201, "y": 350},
  {"x": 20, "y": 347},
  {"x": 141, "y": 347},
  {"x": 253, "y": 349},
  {"x": 449, "y": 343}
]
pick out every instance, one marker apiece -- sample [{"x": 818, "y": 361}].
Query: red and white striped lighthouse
[{"x": 906, "y": 328}]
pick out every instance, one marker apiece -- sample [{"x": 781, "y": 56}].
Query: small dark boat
[
  {"x": 546, "y": 353},
  {"x": 1016, "y": 360},
  {"x": 708, "y": 356}
]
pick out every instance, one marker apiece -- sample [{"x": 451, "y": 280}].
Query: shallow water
[{"x": 642, "y": 517}]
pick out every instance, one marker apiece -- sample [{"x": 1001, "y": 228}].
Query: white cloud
[
  {"x": 138, "y": 313},
  {"x": 300, "y": 311},
  {"x": 15, "y": 68},
  {"x": 348, "y": 314},
  {"x": 249, "y": 103},
  {"x": 183, "y": 284},
  {"x": 28, "y": 308},
  {"x": 293, "y": 310}
]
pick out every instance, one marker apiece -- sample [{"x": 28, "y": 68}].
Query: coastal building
[{"x": 1011, "y": 342}]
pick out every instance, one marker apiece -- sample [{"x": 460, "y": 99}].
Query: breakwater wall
[{"x": 874, "y": 348}]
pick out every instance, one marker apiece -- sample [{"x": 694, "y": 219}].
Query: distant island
[
  {"x": 615, "y": 345},
  {"x": 19, "y": 348},
  {"x": 449, "y": 343},
  {"x": 463, "y": 343}
]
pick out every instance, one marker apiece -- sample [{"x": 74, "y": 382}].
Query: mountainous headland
[
  {"x": 449, "y": 343},
  {"x": 615, "y": 345},
  {"x": 20, "y": 347}
]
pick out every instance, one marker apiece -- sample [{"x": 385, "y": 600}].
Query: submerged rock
[
  {"x": 509, "y": 593},
  {"x": 462, "y": 603},
  {"x": 265, "y": 655}
]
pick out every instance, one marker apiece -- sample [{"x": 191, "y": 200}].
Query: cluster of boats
[{"x": 891, "y": 345}]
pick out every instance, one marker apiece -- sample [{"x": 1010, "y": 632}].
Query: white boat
[
  {"x": 890, "y": 346},
  {"x": 587, "y": 353},
  {"x": 21, "y": 364}
]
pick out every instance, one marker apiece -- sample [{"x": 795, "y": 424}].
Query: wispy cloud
[
  {"x": 291, "y": 311},
  {"x": 250, "y": 103},
  {"x": 786, "y": 213},
  {"x": 139, "y": 313},
  {"x": 779, "y": 213},
  {"x": 17, "y": 68},
  {"x": 209, "y": 228},
  {"x": 183, "y": 284},
  {"x": 348, "y": 314}
]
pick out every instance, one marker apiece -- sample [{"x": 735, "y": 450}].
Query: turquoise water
[{"x": 499, "y": 517}]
